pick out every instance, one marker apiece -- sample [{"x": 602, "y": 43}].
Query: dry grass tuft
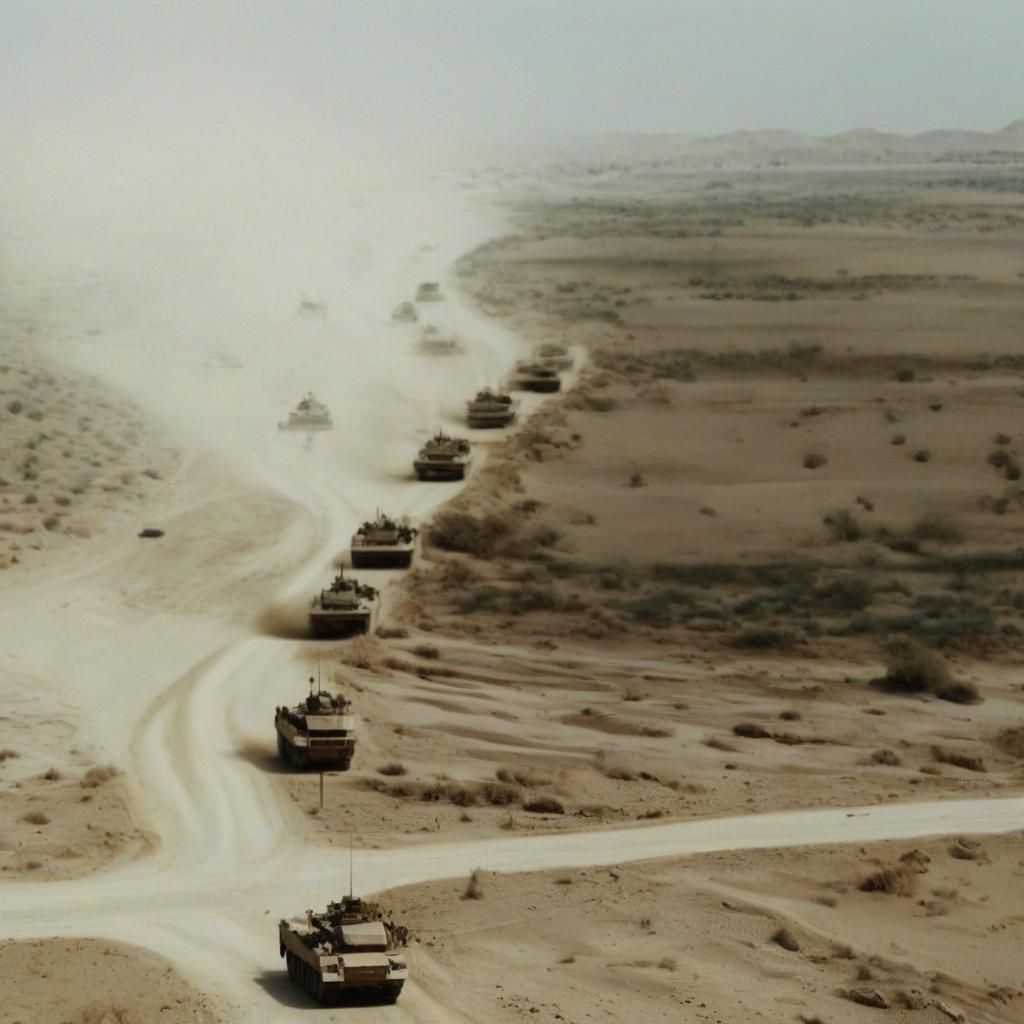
[
  {"x": 392, "y": 768},
  {"x": 898, "y": 880},
  {"x": 971, "y": 762},
  {"x": 35, "y": 818},
  {"x": 885, "y": 756},
  {"x": 543, "y": 805}
]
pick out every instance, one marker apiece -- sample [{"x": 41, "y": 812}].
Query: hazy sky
[{"x": 492, "y": 68}]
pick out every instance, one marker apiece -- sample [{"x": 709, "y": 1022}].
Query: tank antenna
[
  {"x": 318, "y": 673},
  {"x": 350, "y": 866}
]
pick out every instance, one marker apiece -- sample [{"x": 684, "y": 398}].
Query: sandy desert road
[{"x": 164, "y": 649}]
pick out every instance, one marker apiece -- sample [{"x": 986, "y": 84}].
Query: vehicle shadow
[
  {"x": 265, "y": 758},
  {"x": 279, "y": 987}
]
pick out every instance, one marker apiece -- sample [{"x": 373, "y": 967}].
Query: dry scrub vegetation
[{"x": 73, "y": 457}]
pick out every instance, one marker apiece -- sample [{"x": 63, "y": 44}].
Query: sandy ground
[
  {"x": 562, "y": 715},
  {"x": 93, "y": 981},
  {"x": 785, "y": 935}
]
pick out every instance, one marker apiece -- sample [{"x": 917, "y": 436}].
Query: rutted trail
[{"x": 175, "y": 697}]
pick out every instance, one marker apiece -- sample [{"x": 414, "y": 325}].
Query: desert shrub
[
  {"x": 543, "y": 805},
  {"x": 51, "y": 774},
  {"x": 547, "y": 536},
  {"x": 474, "y": 890},
  {"x": 899, "y": 880},
  {"x": 905, "y": 374},
  {"x": 814, "y": 460},
  {"x": 843, "y": 525},
  {"x": 751, "y": 730},
  {"x": 938, "y": 527},
  {"x": 849, "y": 593},
  {"x": 971, "y": 762},
  {"x": 997, "y": 459},
  {"x": 521, "y": 777},
  {"x": 790, "y": 716},
  {"x": 396, "y": 632},
  {"x": 913, "y": 668},
  {"x": 97, "y": 775},
  {"x": 36, "y": 818},
  {"x": 637, "y": 479},
  {"x": 392, "y": 768},
  {"x": 499, "y": 794},
  {"x": 464, "y": 532},
  {"x": 888, "y": 757},
  {"x": 804, "y": 351},
  {"x": 786, "y": 939},
  {"x": 6, "y": 754},
  {"x": 767, "y": 639},
  {"x": 428, "y": 651},
  {"x": 1012, "y": 469},
  {"x": 922, "y": 455},
  {"x": 1011, "y": 741},
  {"x": 898, "y": 439}
]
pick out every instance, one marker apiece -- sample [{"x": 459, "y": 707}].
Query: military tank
[
  {"x": 343, "y": 608},
  {"x": 434, "y": 343},
  {"x": 405, "y": 312},
  {"x": 429, "y": 291},
  {"x": 346, "y": 947},
  {"x": 309, "y": 414},
  {"x": 490, "y": 409},
  {"x": 535, "y": 377},
  {"x": 556, "y": 357},
  {"x": 319, "y": 732},
  {"x": 443, "y": 458},
  {"x": 383, "y": 543}
]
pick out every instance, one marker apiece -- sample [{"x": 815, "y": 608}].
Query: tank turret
[
  {"x": 490, "y": 409},
  {"x": 433, "y": 342},
  {"x": 443, "y": 458},
  {"x": 383, "y": 542},
  {"x": 429, "y": 291},
  {"x": 405, "y": 312},
  {"x": 309, "y": 414},
  {"x": 345, "y": 607},
  {"x": 319, "y": 732},
  {"x": 345, "y": 947},
  {"x": 529, "y": 376},
  {"x": 553, "y": 356}
]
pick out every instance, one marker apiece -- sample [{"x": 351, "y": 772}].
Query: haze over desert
[{"x": 486, "y": 537}]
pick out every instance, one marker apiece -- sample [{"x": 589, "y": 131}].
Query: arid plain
[{"x": 762, "y": 553}]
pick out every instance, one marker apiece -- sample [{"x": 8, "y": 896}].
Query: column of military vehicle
[
  {"x": 383, "y": 543},
  {"x": 345, "y": 607},
  {"x": 309, "y": 414},
  {"x": 346, "y": 947},
  {"x": 490, "y": 409},
  {"x": 349, "y": 946},
  {"x": 319, "y": 732},
  {"x": 443, "y": 458}
]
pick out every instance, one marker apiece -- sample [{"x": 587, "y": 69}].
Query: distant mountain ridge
[{"x": 785, "y": 146}]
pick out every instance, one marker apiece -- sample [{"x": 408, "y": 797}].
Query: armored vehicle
[
  {"x": 535, "y": 377},
  {"x": 348, "y": 946},
  {"x": 429, "y": 291},
  {"x": 320, "y": 732},
  {"x": 345, "y": 607},
  {"x": 383, "y": 542},
  {"x": 490, "y": 409},
  {"x": 434, "y": 343},
  {"x": 443, "y": 458},
  {"x": 556, "y": 357},
  {"x": 405, "y": 312},
  {"x": 309, "y": 414}
]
